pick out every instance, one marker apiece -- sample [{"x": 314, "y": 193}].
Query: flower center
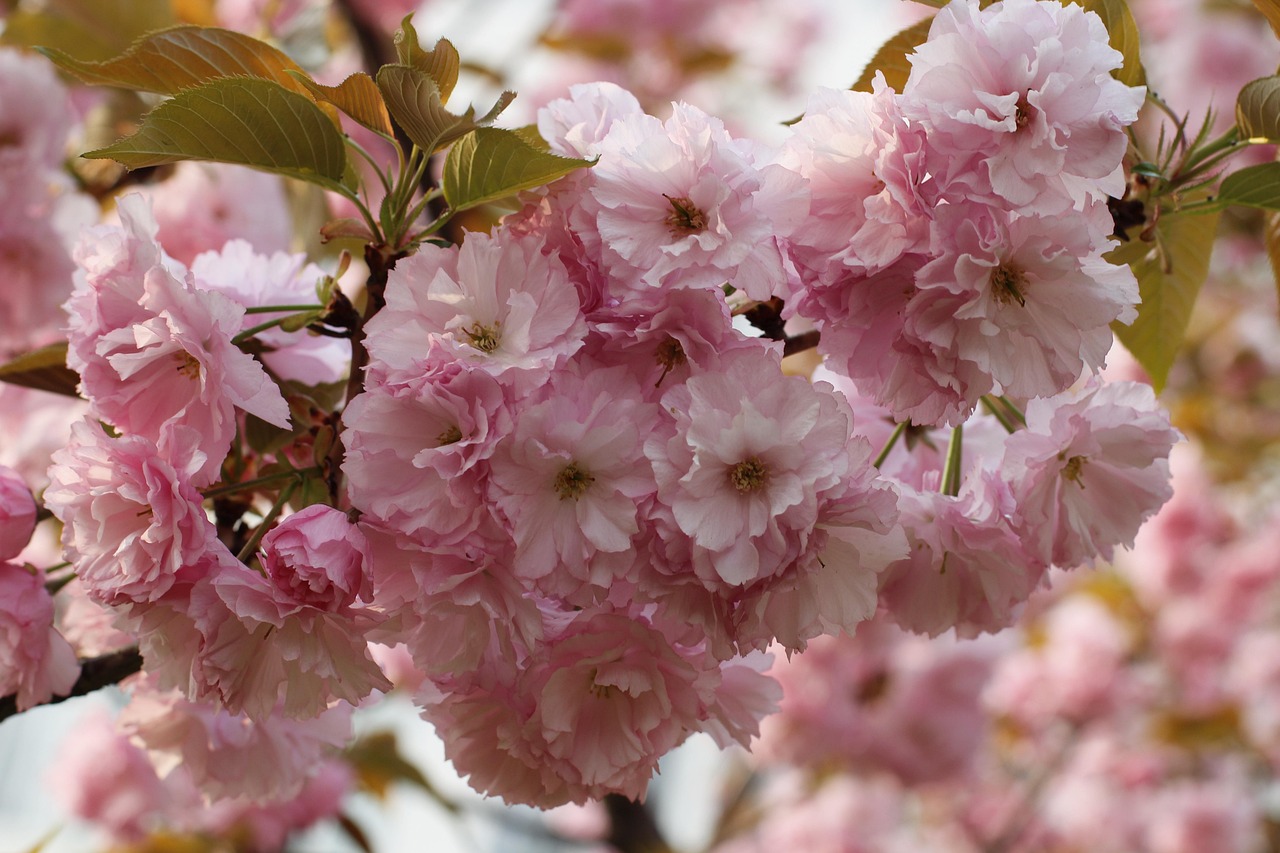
[
  {"x": 1007, "y": 284},
  {"x": 484, "y": 338},
  {"x": 1023, "y": 112},
  {"x": 572, "y": 481},
  {"x": 449, "y": 436},
  {"x": 670, "y": 354},
  {"x": 1073, "y": 469},
  {"x": 749, "y": 475},
  {"x": 187, "y": 365},
  {"x": 684, "y": 218}
]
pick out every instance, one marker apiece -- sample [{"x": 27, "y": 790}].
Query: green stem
[
  {"x": 271, "y": 309},
  {"x": 1228, "y": 140},
  {"x": 402, "y": 194},
  {"x": 417, "y": 209},
  {"x": 252, "y": 545},
  {"x": 55, "y": 586},
  {"x": 951, "y": 469},
  {"x": 1200, "y": 207},
  {"x": 888, "y": 445},
  {"x": 250, "y": 485},
  {"x": 382, "y": 176},
  {"x": 427, "y": 231},
  {"x": 253, "y": 330},
  {"x": 1013, "y": 410},
  {"x": 994, "y": 409},
  {"x": 354, "y": 198}
]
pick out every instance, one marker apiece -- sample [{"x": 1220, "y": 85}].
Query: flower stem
[
  {"x": 271, "y": 309},
  {"x": 995, "y": 409},
  {"x": 1013, "y": 410},
  {"x": 888, "y": 445},
  {"x": 248, "y": 485},
  {"x": 252, "y": 545},
  {"x": 951, "y": 469}
]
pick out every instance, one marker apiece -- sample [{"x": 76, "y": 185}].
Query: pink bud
[{"x": 318, "y": 557}]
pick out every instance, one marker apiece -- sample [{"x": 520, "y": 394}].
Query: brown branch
[
  {"x": 95, "y": 673},
  {"x": 380, "y": 261},
  {"x": 375, "y": 45},
  {"x": 632, "y": 828},
  {"x": 801, "y": 342}
]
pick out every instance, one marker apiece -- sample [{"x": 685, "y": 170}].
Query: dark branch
[
  {"x": 95, "y": 673},
  {"x": 801, "y": 342},
  {"x": 632, "y": 828}
]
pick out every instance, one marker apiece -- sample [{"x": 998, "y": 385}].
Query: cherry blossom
[{"x": 35, "y": 661}]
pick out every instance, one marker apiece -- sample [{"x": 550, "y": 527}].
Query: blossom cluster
[
  {"x": 600, "y": 494},
  {"x": 581, "y": 495}
]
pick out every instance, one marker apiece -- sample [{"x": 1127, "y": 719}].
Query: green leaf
[
  {"x": 1123, "y": 31},
  {"x": 490, "y": 164},
  {"x": 240, "y": 120},
  {"x": 529, "y": 133},
  {"x": 1255, "y": 186},
  {"x": 1270, "y": 10},
  {"x": 1258, "y": 109},
  {"x": 44, "y": 369},
  {"x": 1271, "y": 239},
  {"x": 416, "y": 104},
  {"x": 441, "y": 63},
  {"x": 1170, "y": 273},
  {"x": 356, "y": 96},
  {"x": 180, "y": 58},
  {"x": 93, "y": 29},
  {"x": 378, "y": 763},
  {"x": 891, "y": 58}
]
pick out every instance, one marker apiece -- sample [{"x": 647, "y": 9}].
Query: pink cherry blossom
[
  {"x": 133, "y": 525},
  {"x": 1077, "y": 674},
  {"x": 229, "y": 755},
  {"x": 36, "y": 663},
  {"x": 36, "y": 120},
  {"x": 453, "y": 606},
  {"x": 417, "y": 452},
  {"x": 273, "y": 647},
  {"x": 1040, "y": 128},
  {"x": 882, "y": 700},
  {"x": 37, "y": 265},
  {"x": 205, "y": 205},
  {"x": 178, "y": 367},
  {"x": 88, "y": 626},
  {"x": 683, "y": 203},
  {"x": 868, "y": 334},
  {"x": 154, "y": 352},
  {"x": 17, "y": 513},
  {"x": 319, "y": 558},
  {"x": 1029, "y": 300},
  {"x": 575, "y": 126},
  {"x": 1088, "y": 470},
  {"x": 866, "y": 174},
  {"x": 103, "y": 778},
  {"x": 113, "y": 261},
  {"x": 742, "y": 474},
  {"x": 966, "y": 568},
  {"x": 612, "y": 697},
  {"x": 572, "y": 475},
  {"x": 496, "y": 304}
]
